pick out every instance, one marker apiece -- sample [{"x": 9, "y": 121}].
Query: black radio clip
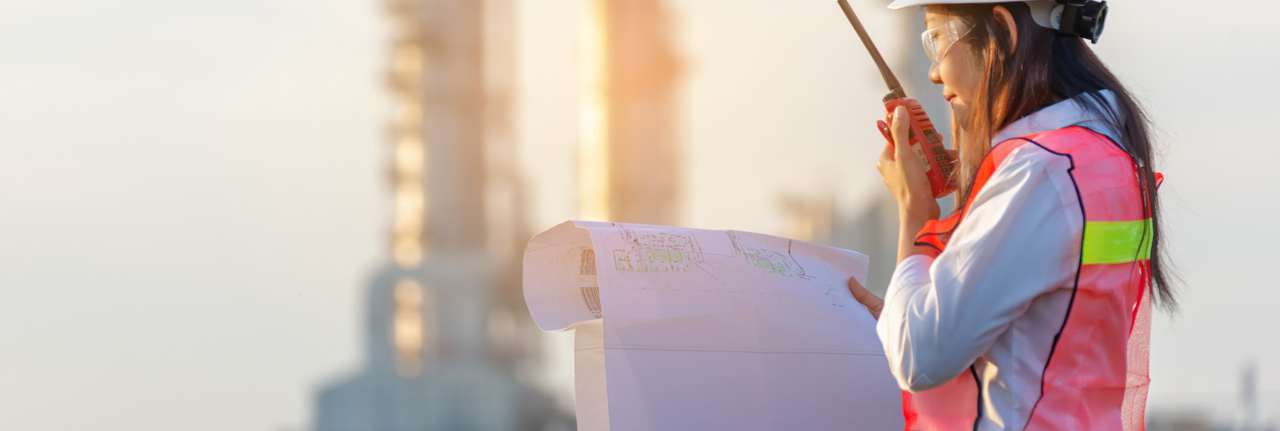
[{"x": 1083, "y": 18}]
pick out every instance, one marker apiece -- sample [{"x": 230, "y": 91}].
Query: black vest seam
[{"x": 1075, "y": 287}]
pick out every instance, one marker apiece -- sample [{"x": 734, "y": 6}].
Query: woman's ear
[{"x": 1006, "y": 19}]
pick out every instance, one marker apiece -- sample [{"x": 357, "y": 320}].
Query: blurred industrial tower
[
  {"x": 874, "y": 230},
  {"x": 628, "y": 154},
  {"x": 447, "y": 336}
]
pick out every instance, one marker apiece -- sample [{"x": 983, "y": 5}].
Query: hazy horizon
[{"x": 194, "y": 193}]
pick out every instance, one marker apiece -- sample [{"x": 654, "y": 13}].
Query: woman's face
[{"x": 958, "y": 69}]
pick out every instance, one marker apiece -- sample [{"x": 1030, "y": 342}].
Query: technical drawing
[
  {"x": 755, "y": 319},
  {"x": 772, "y": 262},
  {"x": 769, "y": 261},
  {"x": 657, "y": 251},
  {"x": 591, "y": 296},
  {"x": 588, "y": 266}
]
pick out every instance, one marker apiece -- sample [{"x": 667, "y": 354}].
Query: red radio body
[{"x": 925, "y": 143}]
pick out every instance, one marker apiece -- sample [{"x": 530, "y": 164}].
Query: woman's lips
[{"x": 949, "y": 97}]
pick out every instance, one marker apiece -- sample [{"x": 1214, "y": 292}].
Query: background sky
[{"x": 192, "y": 194}]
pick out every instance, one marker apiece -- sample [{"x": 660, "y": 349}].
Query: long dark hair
[{"x": 1047, "y": 67}]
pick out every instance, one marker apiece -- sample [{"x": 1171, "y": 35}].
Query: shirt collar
[{"x": 1067, "y": 113}]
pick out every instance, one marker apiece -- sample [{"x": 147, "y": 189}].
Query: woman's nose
[{"x": 934, "y": 74}]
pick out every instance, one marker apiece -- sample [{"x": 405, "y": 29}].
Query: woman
[{"x": 1029, "y": 307}]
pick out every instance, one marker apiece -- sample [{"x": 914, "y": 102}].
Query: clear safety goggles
[{"x": 939, "y": 40}]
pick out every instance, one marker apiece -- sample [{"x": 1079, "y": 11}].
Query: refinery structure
[
  {"x": 446, "y": 328},
  {"x": 448, "y": 342}
]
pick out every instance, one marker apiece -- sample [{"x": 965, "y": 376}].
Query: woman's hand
[
  {"x": 904, "y": 174},
  {"x": 873, "y": 303}
]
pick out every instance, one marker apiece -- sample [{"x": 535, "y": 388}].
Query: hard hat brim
[
  {"x": 899, "y": 4},
  {"x": 1042, "y": 11}
]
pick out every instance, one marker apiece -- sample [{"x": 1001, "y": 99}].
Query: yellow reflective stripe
[{"x": 1116, "y": 241}]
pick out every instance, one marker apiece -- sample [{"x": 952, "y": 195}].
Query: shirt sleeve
[{"x": 1019, "y": 240}]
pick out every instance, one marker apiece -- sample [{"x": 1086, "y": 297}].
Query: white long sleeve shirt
[{"x": 999, "y": 294}]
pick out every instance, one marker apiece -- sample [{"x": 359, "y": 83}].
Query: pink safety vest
[{"x": 1096, "y": 377}]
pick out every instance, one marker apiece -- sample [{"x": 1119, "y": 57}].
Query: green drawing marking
[
  {"x": 769, "y": 266},
  {"x": 657, "y": 252},
  {"x": 665, "y": 256},
  {"x": 772, "y": 262}
]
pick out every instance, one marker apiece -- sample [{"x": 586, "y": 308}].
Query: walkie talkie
[{"x": 937, "y": 163}]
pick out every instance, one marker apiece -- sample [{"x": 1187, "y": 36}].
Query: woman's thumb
[
  {"x": 873, "y": 303},
  {"x": 902, "y": 131}
]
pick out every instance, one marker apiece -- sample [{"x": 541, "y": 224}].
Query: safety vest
[{"x": 1096, "y": 376}]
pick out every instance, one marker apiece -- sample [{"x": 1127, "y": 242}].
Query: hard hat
[{"x": 1084, "y": 18}]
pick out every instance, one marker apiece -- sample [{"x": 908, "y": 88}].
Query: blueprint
[{"x": 706, "y": 329}]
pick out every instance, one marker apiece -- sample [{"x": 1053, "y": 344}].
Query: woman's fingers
[
  {"x": 886, "y": 158},
  {"x": 873, "y": 303},
  {"x": 887, "y": 152},
  {"x": 953, "y": 154}
]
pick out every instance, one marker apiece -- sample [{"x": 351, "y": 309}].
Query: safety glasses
[{"x": 939, "y": 40}]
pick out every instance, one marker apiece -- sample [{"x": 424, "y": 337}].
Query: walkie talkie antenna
[{"x": 895, "y": 89}]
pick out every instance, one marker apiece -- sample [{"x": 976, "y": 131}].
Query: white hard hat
[
  {"x": 1085, "y": 18},
  {"x": 899, "y": 4}
]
